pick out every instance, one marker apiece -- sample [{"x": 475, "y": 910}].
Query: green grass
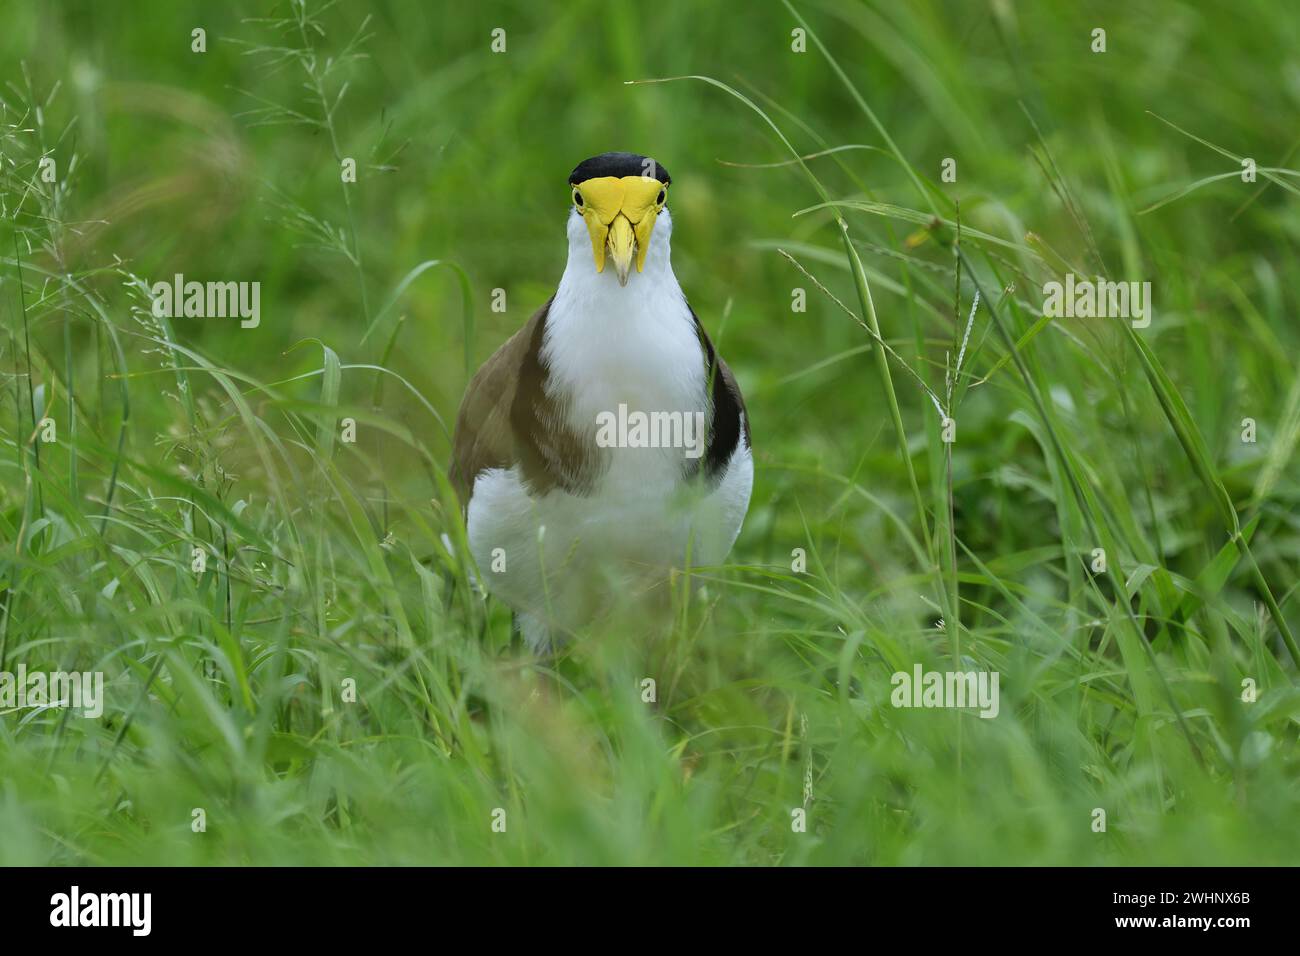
[{"x": 325, "y": 560}]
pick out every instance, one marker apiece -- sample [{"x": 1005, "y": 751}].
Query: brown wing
[
  {"x": 509, "y": 417},
  {"x": 484, "y": 438}
]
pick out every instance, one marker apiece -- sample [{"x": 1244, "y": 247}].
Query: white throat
[
  {"x": 609, "y": 345},
  {"x": 580, "y": 271}
]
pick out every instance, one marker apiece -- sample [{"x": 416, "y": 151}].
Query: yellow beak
[
  {"x": 622, "y": 244},
  {"x": 620, "y": 214}
]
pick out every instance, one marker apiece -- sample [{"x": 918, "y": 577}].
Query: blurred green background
[{"x": 329, "y": 563}]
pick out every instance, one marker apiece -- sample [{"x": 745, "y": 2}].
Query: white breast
[{"x": 608, "y": 345}]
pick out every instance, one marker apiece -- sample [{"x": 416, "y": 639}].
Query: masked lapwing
[{"x": 606, "y": 442}]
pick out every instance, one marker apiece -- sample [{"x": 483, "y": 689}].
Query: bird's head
[{"x": 619, "y": 197}]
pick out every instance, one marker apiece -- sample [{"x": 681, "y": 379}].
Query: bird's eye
[
  {"x": 577, "y": 199},
  {"x": 663, "y": 195}
]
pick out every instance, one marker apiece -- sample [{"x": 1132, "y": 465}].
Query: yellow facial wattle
[{"x": 620, "y": 213}]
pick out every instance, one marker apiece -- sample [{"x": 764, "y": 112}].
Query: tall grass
[{"x": 333, "y": 687}]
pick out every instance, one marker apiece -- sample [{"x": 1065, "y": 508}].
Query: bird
[{"x": 606, "y": 443}]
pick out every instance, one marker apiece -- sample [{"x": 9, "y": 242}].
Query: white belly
[{"x": 559, "y": 558}]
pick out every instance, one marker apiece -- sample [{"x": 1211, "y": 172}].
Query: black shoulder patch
[
  {"x": 618, "y": 165},
  {"x": 730, "y": 421}
]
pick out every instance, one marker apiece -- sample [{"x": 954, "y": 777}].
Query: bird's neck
[
  {"x": 592, "y": 308},
  {"x": 635, "y": 345}
]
